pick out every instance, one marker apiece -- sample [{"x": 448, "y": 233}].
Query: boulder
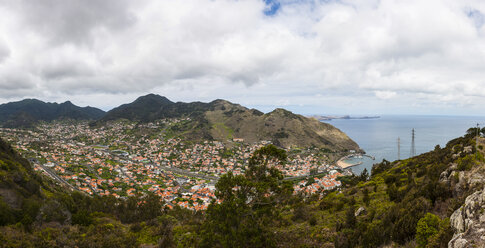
[
  {"x": 360, "y": 211},
  {"x": 457, "y": 242}
]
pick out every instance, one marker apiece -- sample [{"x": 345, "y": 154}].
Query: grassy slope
[{"x": 280, "y": 126}]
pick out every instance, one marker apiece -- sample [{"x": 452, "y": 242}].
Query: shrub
[
  {"x": 431, "y": 231},
  {"x": 427, "y": 227}
]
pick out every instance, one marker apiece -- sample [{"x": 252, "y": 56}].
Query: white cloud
[
  {"x": 385, "y": 94},
  {"x": 429, "y": 52}
]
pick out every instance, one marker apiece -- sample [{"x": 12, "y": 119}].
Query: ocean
[{"x": 378, "y": 137}]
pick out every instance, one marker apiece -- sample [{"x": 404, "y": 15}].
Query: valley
[{"x": 125, "y": 158}]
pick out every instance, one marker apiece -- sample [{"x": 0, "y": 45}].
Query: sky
[{"x": 311, "y": 57}]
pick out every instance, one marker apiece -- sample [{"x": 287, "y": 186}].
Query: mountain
[
  {"x": 27, "y": 112},
  {"x": 144, "y": 108},
  {"x": 222, "y": 120}
]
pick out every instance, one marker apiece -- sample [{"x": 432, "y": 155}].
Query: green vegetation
[
  {"x": 28, "y": 112},
  {"x": 401, "y": 203},
  {"x": 432, "y": 231},
  {"x": 407, "y": 200},
  {"x": 227, "y": 153},
  {"x": 250, "y": 204},
  {"x": 223, "y": 130},
  {"x": 221, "y": 120}
]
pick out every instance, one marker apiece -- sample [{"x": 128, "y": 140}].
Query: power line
[{"x": 413, "y": 147}]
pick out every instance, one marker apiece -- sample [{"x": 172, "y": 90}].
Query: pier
[{"x": 369, "y": 156}]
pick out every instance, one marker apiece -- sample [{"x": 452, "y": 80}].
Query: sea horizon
[{"x": 378, "y": 136}]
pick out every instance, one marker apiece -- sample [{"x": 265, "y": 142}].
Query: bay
[{"x": 378, "y": 137}]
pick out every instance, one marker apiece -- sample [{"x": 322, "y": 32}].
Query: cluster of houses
[
  {"x": 327, "y": 182},
  {"x": 115, "y": 160}
]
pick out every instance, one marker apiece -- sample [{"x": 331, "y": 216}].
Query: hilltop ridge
[
  {"x": 224, "y": 121},
  {"x": 218, "y": 120},
  {"x": 28, "y": 112}
]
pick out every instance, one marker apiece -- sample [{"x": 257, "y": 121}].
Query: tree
[
  {"x": 427, "y": 227},
  {"x": 441, "y": 238},
  {"x": 364, "y": 175},
  {"x": 248, "y": 203},
  {"x": 366, "y": 198},
  {"x": 82, "y": 217},
  {"x": 473, "y": 131},
  {"x": 393, "y": 193},
  {"x": 138, "y": 208},
  {"x": 350, "y": 219}
]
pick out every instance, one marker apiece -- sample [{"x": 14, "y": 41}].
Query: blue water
[{"x": 378, "y": 137}]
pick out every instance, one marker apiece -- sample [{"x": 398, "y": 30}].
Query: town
[{"x": 124, "y": 159}]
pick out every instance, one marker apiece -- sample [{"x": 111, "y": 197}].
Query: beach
[{"x": 342, "y": 163}]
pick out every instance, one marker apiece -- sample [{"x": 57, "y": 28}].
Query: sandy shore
[{"x": 342, "y": 164}]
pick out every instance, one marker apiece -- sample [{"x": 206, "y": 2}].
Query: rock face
[
  {"x": 463, "y": 182},
  {"x": 360, "y": 211},
  {"x": 469, "y": 222}
]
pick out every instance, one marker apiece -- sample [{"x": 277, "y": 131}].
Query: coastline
[{"x": 344, "y": 165}]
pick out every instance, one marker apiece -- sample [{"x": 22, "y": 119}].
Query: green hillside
[
  {"x": 28, "y": 112},
  {"x": 223, "y": 121},
  {"x": 404, "y": 203}
]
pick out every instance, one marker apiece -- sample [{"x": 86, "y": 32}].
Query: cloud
[
  {"x": 4, "y": 51},
  {"x": 72, "y": 21},
  {"x": 385, "y": 94},
  {"x": 286, "y": 51}
]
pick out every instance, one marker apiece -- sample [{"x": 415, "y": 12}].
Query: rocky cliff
[
  {"x": 467, "y": 179},
  {"x": 469, "y": 222}
]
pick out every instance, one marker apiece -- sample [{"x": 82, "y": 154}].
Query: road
[{"x": 57, "y": 178}]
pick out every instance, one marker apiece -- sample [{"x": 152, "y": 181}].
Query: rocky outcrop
[
  {"x": 463, "y": 182},
  {"x": 448, "y": 175},
  {"x": 469, "y": 222},
  {"x": 360, "y": 211}
]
